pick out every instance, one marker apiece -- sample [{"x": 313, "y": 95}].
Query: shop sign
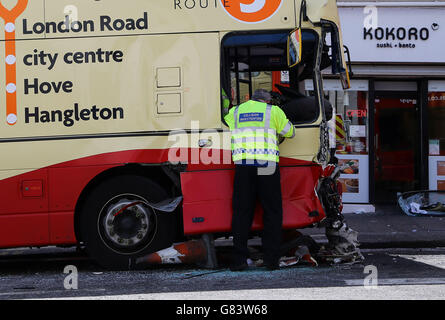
[
  {"x": 357, "y": 113},
  {"x": 394, "y": 34}
]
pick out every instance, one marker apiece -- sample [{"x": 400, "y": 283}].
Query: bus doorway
[{"x": 397, "y": 137}]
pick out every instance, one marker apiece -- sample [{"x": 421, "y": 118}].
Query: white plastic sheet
[{"x": 422, "y": 203}]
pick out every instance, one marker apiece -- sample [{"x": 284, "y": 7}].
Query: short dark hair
[{"x": 262, "y": 94}]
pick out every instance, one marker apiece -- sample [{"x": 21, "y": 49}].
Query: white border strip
[
  {"x": 388, "y": 289},
  {"x": 391, "y": 4},
  {"x": 436, "y": 86}
]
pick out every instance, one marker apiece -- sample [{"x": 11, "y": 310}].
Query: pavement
[{"x": 389, "y": 227}]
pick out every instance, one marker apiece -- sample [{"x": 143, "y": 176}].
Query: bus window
[{"x": 252, "y": 61}]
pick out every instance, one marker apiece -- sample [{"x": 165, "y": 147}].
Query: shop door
[{"x": 397, "y": 137}]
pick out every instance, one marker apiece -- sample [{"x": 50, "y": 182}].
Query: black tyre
[{"x": 117, "y": 225}]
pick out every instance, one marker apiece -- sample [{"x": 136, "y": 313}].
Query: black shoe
[{"x": 239, "y": 267}]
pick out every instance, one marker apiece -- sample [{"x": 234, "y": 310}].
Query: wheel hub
[{"x": 127, "y": 223}]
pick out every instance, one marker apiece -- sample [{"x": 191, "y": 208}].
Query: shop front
[
  {"x": 436, "y": 135},
  {"x": 389, "y": 128}
]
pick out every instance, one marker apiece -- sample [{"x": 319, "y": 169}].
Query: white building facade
[{"x": 389, "y": 128}]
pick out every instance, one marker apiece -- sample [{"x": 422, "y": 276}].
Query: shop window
[
  {"x": 436, "y": 120},
  {"x": 348, "y": 132},
  {"x": 349, "y": 128},
  {"x": 436, "y": 135}
]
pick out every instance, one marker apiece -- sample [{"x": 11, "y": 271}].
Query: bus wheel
[{"x": 117, "y": 225}]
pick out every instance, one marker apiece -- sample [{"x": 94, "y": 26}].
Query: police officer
[{"x": 255, "y": 127}]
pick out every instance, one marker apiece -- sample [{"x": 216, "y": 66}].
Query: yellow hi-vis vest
[
  {"x": 255, "y": 127},
  {"x": 226, "y": 102}
]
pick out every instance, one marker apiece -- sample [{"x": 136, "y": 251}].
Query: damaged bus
[{"x": 113, "y": 135}]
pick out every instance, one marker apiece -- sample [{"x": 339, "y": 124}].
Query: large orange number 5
[
  {"x": 251, "y": 11},
  {"x": 255, "y": 6}
]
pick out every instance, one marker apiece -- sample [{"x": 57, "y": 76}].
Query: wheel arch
[{"x": 153, "y": 172}]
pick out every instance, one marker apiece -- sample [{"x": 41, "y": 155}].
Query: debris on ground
[
  {"x": 342, "y": 247},
  {"x": 296, "y": 249},
  {"x": 422, "y": 203}
]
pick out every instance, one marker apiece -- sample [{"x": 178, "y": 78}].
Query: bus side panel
[
  {"x": 37, "y": 207},
  {"x": 21, "y": 230},
  {"x": 163, "y": 82},
  {"x": 24, "y": 193},
  {"x": 66, "y": 184},
  {"x": 207, "y": 205},
  {"x": 24, "y": 209},
  {"x": 61, "y": 228}
]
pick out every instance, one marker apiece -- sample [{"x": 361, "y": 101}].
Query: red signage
[
  {"x": 436, "y": 99},
  {"x": 357, "y": 113}
]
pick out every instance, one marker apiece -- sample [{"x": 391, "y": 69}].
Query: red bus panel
[{"x": 207, "y": 205}]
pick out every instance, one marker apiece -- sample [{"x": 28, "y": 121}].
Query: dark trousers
[{"x": 248, "y": 187}]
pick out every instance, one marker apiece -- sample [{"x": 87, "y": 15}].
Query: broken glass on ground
[{"x": 422, "y": 203}]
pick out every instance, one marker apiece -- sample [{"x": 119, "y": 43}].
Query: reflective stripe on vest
[
  {"x": 254, "y": 142},
  {"x": 286, "y": 129}
]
